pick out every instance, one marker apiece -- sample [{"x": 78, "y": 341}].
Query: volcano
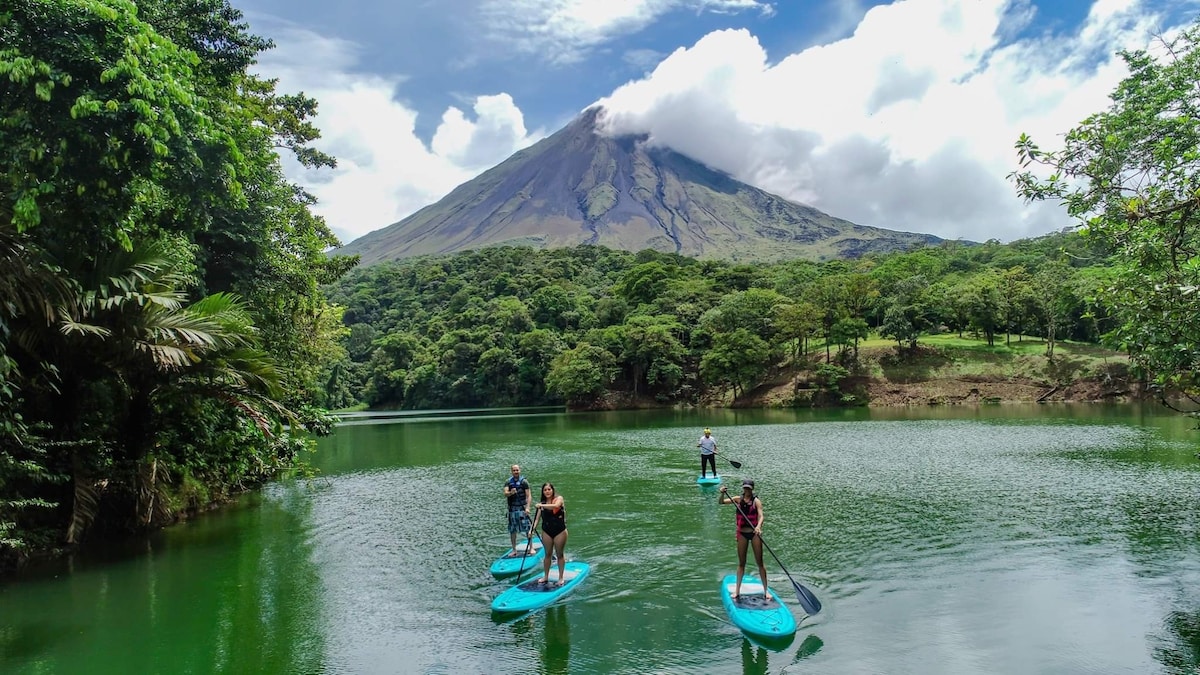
[{"x": 580, "y": 187}]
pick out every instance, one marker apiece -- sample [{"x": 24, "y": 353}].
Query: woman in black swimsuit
[{"x": 553, "y": 515}]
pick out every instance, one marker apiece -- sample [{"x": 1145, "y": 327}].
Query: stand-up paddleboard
[
  {"x": 531, "y": 594},
  {"x": 711, "y": 479},
  {"x": 509, "y": 565},
  {"x": 755, "y": 615}
]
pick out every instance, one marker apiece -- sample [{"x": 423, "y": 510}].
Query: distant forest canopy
[{"x": 517, "y": 326}]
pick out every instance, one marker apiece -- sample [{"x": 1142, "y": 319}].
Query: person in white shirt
[{"x": 708, "y": 453}]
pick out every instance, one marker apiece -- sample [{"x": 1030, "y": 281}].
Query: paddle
[
  {"x": 736, "y": 465},
  {"x": 529, "y": 545},
  {"x": 808, "y": 601}
]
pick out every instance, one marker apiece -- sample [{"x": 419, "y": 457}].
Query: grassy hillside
[{"x": 946, "y": 369}]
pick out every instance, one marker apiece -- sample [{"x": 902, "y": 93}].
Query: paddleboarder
[
  {"x": 516, "y": 489},
  {"x": 708, "y": 453},
  {"x": 749, "y": 531},
  {"x": 553, "y": 514}
]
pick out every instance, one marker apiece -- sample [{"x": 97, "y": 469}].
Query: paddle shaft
[
  {"x": 528, "y": 545},
  {"x": 808, "y": 601},
  {"x": 736, "y": 465}
]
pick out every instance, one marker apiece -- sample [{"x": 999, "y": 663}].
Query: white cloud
[
  {"x": 907, "y": 124},
  {"x": 565, "y": 30},
  {"x": 385, "y": 172}
]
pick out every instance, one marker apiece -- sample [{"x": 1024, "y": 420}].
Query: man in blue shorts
[{"x": 516, "y": 489}]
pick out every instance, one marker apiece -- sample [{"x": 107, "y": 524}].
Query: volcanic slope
[{"x": 579, "y": 187}]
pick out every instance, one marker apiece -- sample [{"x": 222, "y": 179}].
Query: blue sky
[{"x": 893, "y": 114}]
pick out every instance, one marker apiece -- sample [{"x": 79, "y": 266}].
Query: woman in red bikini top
[{"x": 749, "y": 526}]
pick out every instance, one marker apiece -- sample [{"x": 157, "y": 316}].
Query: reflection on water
[
  {"x": 556, "y": 642},
  {"x": 754, "y": 658},
  {"x": 234, "y": 592},
  {"x": 1177, "y": 646}
]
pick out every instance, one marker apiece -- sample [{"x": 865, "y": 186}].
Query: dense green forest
[
  {"x": 515, "y": 326},
  {"x": 169, "y": 311},
  {"x": 161, "y": 319}
]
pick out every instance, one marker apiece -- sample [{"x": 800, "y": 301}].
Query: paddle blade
[
  {"x": 736, "y": 465},
  {"x": 808, "y": 601}
]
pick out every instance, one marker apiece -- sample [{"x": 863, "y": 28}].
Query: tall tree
[{"x": 1131, "y": 175}]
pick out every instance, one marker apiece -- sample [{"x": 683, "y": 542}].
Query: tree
[
  {"x": 848, "y": 332},
  {"x": 649, "y": 346},
  {"x": 1054, "y": 299},
  {"x": 985, "y": 303},
  {"x": 1131, "y": 176},
  {"x": 580, "y": 375},
  {"x": 797, "y": 322},
  {"x": 644, "y": 283},
  {"x": 738, "y": 358},
  {"x": 140, "y": 176},
  {"x": 906, "y": 315}
]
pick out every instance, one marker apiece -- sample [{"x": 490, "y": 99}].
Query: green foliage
[
  {"x": 580, "y": 375},
  {"x": 1131, "y": 175},
  {"x": 441, "y": 333},
  {"x": 160, "y": 305},
  {"x": 737, "y": 358}
]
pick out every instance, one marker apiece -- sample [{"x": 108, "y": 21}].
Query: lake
[{"x": 995, "y": 539}]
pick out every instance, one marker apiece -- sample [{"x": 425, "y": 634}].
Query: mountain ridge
[{"x": 580, "y": 187}]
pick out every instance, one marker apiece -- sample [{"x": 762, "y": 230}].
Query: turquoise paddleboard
[
  {"x": 530, "y": 595},
  {"x": 754, "y": 614},
  {"x": 508, "y": 565},
  {"x": 711, "y": 479}
]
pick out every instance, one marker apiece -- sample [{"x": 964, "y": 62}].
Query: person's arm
[
  {"x": 723, "y": 496},
  {"x": 762, "y": 517},
  {"x": 508, "y": 492},
  {"x": 528, "y": 498},
  {"x": 556, "y": 502}
]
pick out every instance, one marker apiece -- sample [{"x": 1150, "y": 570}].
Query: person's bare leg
[
  {"x": 762, "y": 570},
  {"x": 560, "y": 545},
  {"x": 547, "y": 544},
  {"x": 741, "y": 571}
]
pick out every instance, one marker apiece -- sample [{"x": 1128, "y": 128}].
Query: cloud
[
  {"x": 908, "y": 123},
  {"x": 564, "y": 31},
  {"x": 385, "y": 172}
]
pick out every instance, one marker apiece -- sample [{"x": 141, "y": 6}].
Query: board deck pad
[
  {"x": 510, "y": 565},
  {"x": 535, "y": 584},
  {"x": 754, "y": 614},
  {"x": 751, "y": 597}
]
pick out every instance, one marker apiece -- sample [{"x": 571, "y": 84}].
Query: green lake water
[{"x": 995, "y": 539}]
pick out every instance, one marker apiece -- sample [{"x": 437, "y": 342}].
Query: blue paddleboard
[
  {"x": 530, "y": 595},
  {"x": 754, "y": 614},
  {"x": 711, "y": 479},
  {"x": 509, "y": 565}
]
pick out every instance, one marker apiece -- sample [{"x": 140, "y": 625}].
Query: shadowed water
[{"x": 1004, "y": 539}]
